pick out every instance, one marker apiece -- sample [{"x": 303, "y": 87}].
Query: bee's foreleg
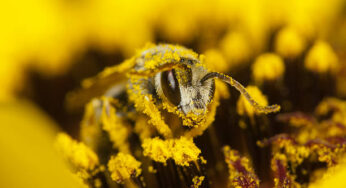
[
  {"x": 91, "y": 132},
  {"x": 102, "y": 129}
]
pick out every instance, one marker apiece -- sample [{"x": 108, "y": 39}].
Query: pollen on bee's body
[
  {"x": 123, "y": 167},
  {"x": 183, "y": 151},
  {"x": 76, "y": 153}
]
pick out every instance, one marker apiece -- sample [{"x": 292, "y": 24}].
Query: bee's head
[
  {"x": 185, "y": 88},
  {"x": 191, "y": 88}
]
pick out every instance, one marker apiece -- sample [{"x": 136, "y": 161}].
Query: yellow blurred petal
[
  {"x": 28, "y": 158},
  {"x": 334, "y": 177},
  {"x": 77, "y": 153}
]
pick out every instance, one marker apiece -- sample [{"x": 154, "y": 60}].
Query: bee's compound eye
[{"x": 170, "y": 86}]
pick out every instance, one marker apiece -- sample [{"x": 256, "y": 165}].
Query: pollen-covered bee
[{"x": 161, "y": 83}]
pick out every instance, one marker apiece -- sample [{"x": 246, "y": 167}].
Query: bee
[{"x": 163, "y": 79}]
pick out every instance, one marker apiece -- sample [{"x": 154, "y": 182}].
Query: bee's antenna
[{"x": 242, "y": 90}]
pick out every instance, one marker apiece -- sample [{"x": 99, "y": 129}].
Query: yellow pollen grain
[
  {"x": 151, "y": 169},
  {"x": 76, "y": 153},
  {"x": 182, "y": 150},
  {"x": 123, "y": 166},
  {"x": 197, "y": 181},
  {"x": 156, "y": 149}
]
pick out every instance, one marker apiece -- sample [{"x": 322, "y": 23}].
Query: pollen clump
[
  {"x": 123, "y": 167},
  {"x": 321, "y": 59},
  {"x": 289, "y": 43},
  {"x": 182, "y": 150},
  {"x": 245, "y": 108},
  {"x": 190, "y": 119},
  {"x": 268, "y": 67},
  {"x": 197, "y": 181},
  {"x": 156, "y": 149},
  {"x": 76, "y": 153}
]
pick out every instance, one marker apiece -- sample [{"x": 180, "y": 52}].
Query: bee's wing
[{"x": 109, "y": 80}]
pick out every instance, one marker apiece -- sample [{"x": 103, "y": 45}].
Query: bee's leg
[
  {"x": 102, "y": 129},
  {"x": 91, "y": 132},
  {"x": 115, "y": 124},
  {"x": 144, "y": 102}
]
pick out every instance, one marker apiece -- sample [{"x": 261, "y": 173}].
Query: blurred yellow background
[{"x": 44, "y": 36}]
